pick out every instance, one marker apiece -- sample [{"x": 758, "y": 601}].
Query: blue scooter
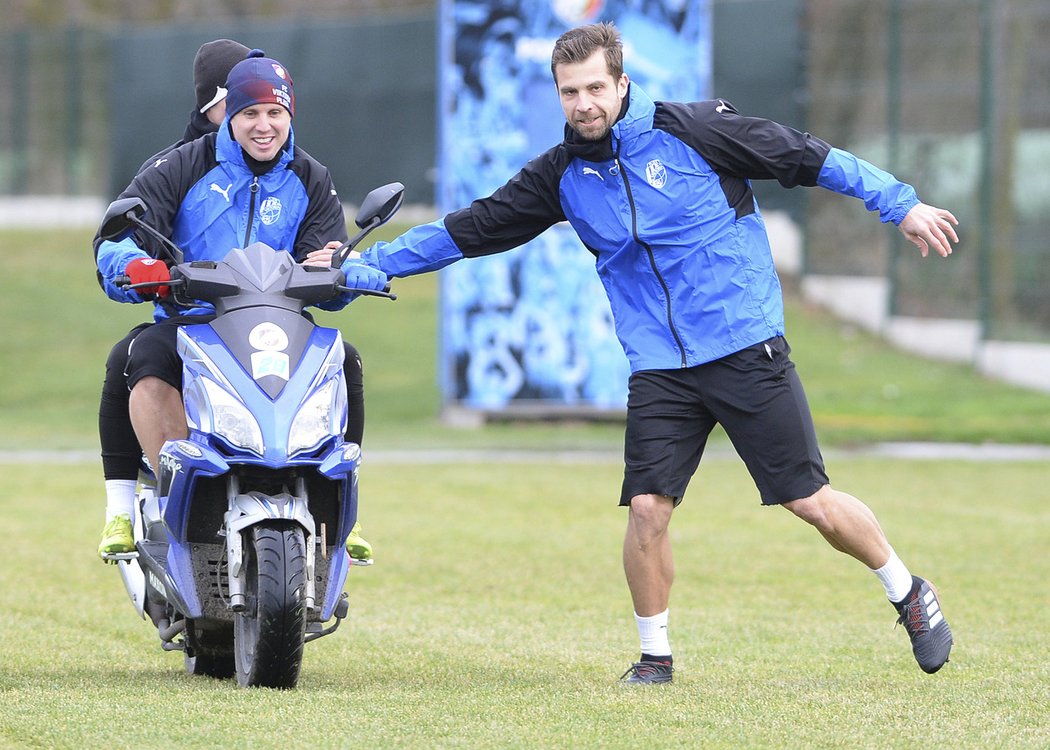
[{"x": 241, "y": 530}]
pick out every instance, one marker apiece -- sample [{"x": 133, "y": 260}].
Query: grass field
[
  {"x": 59, "y": 328},
  {"x": 497, "y": 615}
]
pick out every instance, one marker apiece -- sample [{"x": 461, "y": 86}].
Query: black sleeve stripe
[
  {"x": 751, "y": 148},
  {"x": 324, "y": 220}
]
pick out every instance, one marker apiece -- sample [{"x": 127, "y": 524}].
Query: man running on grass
[{"x": 659, "y": 192}]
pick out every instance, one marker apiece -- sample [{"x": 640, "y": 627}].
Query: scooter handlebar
[{"x": 369, "y": 292}]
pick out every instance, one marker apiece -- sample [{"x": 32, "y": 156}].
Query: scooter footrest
[{"x": 116, "y": 556}]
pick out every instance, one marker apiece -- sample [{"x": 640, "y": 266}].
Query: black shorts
[
  {"x": 756, "y": 396},
  {"x": 154, "y": 352}
]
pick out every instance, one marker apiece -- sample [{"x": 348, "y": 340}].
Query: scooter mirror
[
  {"x": 376, "y": 209},
  {"x": 119, "y": 219},
  {"x": 125, "y": 215},
  {"x": 379, "y": 205}
]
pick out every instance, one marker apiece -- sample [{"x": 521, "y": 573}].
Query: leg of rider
[
  {"x": 358, "y": 547},
  {"x": 157, "y": 414},
  {"x": 155, "y": 378},
  {"x": 355, "y": 394},
  {"x": 121, "y": 452}
]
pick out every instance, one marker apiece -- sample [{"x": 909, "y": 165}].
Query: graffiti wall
[{"x": 533, "y": 326}]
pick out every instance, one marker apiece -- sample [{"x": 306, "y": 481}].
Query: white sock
[
  {"x": 653, "y": 633},
  {"x": 895, "y": 577},
  {"x": 120, "y": 497}
]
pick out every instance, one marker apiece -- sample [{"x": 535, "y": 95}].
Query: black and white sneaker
[
  {"x": 648, "y": 673},
  {"x": 921, "y": 615}
]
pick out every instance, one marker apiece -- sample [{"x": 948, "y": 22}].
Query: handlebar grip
[
  {"x": 121, "y": 280},
  {"x": 368, "y": 292}
]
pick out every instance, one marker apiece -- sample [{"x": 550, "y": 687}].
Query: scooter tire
[{"x": 269, "y": 635}]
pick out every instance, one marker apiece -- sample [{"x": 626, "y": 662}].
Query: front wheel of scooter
[{"x": 269, "y": 634}]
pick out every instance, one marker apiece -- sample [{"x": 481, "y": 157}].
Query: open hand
[
  {"x": 927, "y": 226},
  {"x": 322, "y": 257}
]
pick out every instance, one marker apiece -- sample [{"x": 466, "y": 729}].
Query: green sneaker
[
  {"x": 358, "y": 548},
  {"x": 117, "y": 537}
]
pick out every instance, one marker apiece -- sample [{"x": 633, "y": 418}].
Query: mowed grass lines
[{"x": 497, "y": 617}]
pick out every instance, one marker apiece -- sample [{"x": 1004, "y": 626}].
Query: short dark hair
[{"x": 576, "y": 45}]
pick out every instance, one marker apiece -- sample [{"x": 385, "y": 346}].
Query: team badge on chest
[
  {"x": 270, "y": 210},
  {"x": 656, "y": 174}
]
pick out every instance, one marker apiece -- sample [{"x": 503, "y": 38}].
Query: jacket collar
[
  {"x": 636, "y": 117},
  {"x": 198, "y": 125}
]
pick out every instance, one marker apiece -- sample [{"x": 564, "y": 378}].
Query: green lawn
[
  {"x": 497, "y": 615},
  {"x": 60, "y": 327}
]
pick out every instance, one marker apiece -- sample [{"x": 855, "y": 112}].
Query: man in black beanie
[
  {"x": 211, "y": 65},
  {"x": 121, "y": 453}
]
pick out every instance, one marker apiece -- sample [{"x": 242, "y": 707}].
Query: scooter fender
[
  {"x": 341, "y": 464},
  {"x": 247, "y": 510},
  {"x": 135, "y": 584},
  {"x": 131, "y": 570},
  {"x": 181, "y": 463}
]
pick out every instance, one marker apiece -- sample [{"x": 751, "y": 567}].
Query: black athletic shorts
[
  {"x": 154, "y": 352},
  {"x": 755, "y": 394}
]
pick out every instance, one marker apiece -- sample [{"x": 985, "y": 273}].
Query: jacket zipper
[
  {"x": 254, "y": 188},
  {"x": 649, "y": 252}
]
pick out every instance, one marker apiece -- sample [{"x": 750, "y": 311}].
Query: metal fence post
[
  {"x": 989, "y": 41},
  {"x": 893, "y": 126}
]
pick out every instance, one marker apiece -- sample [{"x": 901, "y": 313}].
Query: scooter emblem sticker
[{"x": 270, "y": 341}]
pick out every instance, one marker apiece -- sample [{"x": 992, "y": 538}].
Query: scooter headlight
[
  {"x": 316, "y": 419},
  {"x": 231, "y": 419}
]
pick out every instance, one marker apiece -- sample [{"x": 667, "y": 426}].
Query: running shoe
[
  {"x": 648, "y": 673},
  {"x": 921, "y": 615},
  {"x": 117, "y": 537},
  {"x": 358, "y": 548}
]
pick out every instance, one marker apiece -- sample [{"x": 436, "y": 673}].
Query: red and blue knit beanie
[{"x": 258, "y": 80}]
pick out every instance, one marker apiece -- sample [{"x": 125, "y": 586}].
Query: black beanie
[{"x": 212, "y": 64}]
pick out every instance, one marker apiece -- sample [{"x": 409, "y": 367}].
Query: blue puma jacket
[
  {"x": 665, "y": 205},
  {"x": 206, "y": 198}
]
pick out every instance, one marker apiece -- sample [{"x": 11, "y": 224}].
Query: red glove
[{"x": 142, "y": 270}]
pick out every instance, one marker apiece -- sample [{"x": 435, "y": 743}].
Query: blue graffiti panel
[{"x": 533, "y": 325}]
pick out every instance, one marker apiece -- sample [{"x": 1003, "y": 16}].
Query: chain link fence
[
  {"x": 54, "y": 112},
  {"x": 951, "y": 96}
]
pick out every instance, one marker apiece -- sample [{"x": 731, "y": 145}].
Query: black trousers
[{"x": 121, "y": 452}]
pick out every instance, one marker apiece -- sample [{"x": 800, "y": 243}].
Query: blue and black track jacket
[
  {"x": 205, "y": 197},
  {"x": 665, "y": 205}
]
